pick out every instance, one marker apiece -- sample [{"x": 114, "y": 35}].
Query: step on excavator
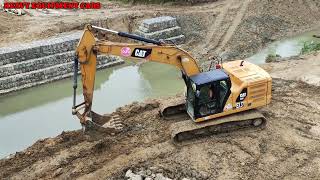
[{"x": 222, "y": 99}]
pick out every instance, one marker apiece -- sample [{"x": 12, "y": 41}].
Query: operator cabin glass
[{"x": 210, "y": 97}]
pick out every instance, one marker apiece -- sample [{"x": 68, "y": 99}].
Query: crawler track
[{"x": 185, "y": 130}]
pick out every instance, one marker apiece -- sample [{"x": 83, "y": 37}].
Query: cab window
[
  {"x": 207, "y": 100},
  {"x": 223, "y": 91}
]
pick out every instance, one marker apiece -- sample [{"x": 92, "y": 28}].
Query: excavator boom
[{"x": 88, "y": 47}]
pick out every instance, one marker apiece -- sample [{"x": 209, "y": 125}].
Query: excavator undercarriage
[{"x": 185, "y": 129}]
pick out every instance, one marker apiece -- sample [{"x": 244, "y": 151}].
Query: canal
[
  {"x": 285, "y": 48},
  {"x": 45, "y": 111}
]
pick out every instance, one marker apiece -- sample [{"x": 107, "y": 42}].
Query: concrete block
[
  {"x": 38, "y": 49},
  {"x": 158, "y": 23},
  {"x": 39, "y": 62},
  {"x": 52, "y": 73},
  {"x": 176, "y": 39},
  {"x": 162, "y": 34},
  {"x": 34, "y": 64}
]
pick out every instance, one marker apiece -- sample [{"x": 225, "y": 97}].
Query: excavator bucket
[{"x": 107, "y": 123}]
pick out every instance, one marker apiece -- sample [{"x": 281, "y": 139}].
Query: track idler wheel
[{"x": 257, "y": 122}]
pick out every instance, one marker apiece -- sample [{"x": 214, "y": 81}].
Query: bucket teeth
[
  {"x": 106, "y": 123},
  {"x": 114, "y": 122}
]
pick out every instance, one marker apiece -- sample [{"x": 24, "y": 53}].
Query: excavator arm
[{"x": 88, "y": 48}]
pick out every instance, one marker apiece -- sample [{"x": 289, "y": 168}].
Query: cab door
[
  {"x": 190, "y": 99},
  {"x": 223, "y": 87}
]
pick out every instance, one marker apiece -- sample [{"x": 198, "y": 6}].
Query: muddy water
[
  {"x": 45, "y": 111},
  {"x": 285, "y": 48}
]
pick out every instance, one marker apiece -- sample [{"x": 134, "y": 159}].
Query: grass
[
  {"x": 309, "y": 47},
  {"x": 272, "y": 57}
]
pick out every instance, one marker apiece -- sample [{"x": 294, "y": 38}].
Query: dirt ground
[
  {"x": 288, "y": 148},
  {"x": 304, "y": 68}
]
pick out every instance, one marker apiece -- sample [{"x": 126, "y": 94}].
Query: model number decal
[{"x": 239, "y": 105}]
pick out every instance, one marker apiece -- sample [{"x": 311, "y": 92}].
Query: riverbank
[
  {"x": 304, "y": 68},
  {"x": 285, "y": 48},
  {"x": 39, "y": 62}
]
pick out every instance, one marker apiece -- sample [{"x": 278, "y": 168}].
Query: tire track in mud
[
  {"x": 212, "y": 36},
  {"x": 235, "y": 23},
  {"x": 216, "y": 40},
  {"x": 312, "y": 6}
]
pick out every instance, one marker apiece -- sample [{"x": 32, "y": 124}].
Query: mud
[{"x": 288, "y": 147}]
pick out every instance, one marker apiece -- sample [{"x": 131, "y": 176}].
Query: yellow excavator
[{"x": 222, "y": 99}]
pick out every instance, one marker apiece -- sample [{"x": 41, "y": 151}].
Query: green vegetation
[
  {"x": 272, "y": 57},
  {"x": 310, "y": 47}
]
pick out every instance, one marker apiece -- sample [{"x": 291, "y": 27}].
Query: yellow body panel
[{"x": 250, "y": 76}]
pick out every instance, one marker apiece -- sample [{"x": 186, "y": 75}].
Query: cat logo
[
  {"x": 242, "y": 96},
  {"x": 141, "y": 53}
]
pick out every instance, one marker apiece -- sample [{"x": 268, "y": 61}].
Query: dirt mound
[{"x": 289, "y": 146}]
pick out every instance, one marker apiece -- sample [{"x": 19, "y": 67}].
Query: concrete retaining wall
[
  {"x": 39, "y": 62},
  {"x": 164, "y": 27}
]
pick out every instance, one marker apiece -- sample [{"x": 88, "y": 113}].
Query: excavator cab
[{"x": 207, "y": 93}]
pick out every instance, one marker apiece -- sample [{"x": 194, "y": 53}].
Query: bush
[
  {"x": 272, "y": 58},
  {"x": 310, "y": 47}
]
